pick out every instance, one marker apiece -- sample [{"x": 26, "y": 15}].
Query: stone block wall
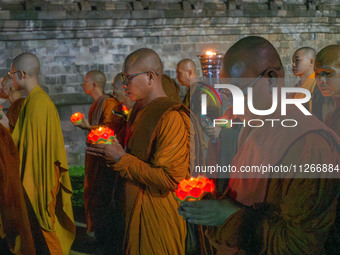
[{"x": 72, "y": 37}]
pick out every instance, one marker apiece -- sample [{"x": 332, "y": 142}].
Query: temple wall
[{"x": 72, "y": 37}]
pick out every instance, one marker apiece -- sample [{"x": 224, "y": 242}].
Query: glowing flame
[{"x": 210, "y": 53}]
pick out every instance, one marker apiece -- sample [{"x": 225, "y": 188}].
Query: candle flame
[
  {"x": 100, "y": 129},
  {"x": 210, "y": 53}
]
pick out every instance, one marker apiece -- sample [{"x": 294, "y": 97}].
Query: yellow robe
[
  {"x": 157, "y": 161},
  {"x": 43, "y": 166}
]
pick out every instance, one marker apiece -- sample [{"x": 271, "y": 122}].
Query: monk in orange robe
[
  {"x": 328, "y": 80},
  {"x": 288, "y": 213},
  {"x": 43, "y": 162},
  {"x": 13, "y": 212},
  {"x": 155, "y": 161},
  {"x": 101, "y": 184},
  {"x": 303, "y": 62},
  {"x": 14, "y": 98}
]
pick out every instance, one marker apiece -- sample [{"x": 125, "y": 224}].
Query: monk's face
[
  {"x": 302, "y": 63},
  {"x": 17, "y": 79},
  {"x": 183, "y": 76},
  {"x": 243, "y": 76},
  {"x": 87, "y": 85},
  {"x": 328, "y": 77},
  {"x": 4, "y": 89},
  {"x": 137, "y": 86}
]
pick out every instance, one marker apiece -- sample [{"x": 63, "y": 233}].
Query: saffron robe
[
  {"x": 285, "y": 216},
  {"x": 13, "y": 212},
  {"x": 99, "y": 179},
  {"x": 315, "y": 103},
  {"x": 43, "y": 166},
  {"x": 157, "y": 160}
]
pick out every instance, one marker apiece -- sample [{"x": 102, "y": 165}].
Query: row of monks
[{"x": 129, "y": 185}]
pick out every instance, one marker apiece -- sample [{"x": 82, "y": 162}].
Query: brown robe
[
  {"x": 157, "y": 160},
  {"x": 281, "y": 216},
  {"x": 13, "y": 112},
  {"x": 99, "y": 179},
  {"x": 13, "y": 210},
  {"x": 170, "y": 88}
]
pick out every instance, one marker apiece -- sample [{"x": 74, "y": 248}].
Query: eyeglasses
[
  {"x": 251, "y": 84},
  {"x": 11, "y": 73},
  {"x": 229, "y": 97},
  {"x": 126, "y": 77}
]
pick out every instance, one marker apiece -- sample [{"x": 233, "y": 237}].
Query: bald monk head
[
  {"x": 254, "y": 62},
  {"x": 143, "y": 71},
  {"x": 186, "y": 72},
  {"x": 303, "y": 62},
  {"x": 327, "y": 71},
  {"x": 94, "y": 83},
  {"x": 8, "y": 90},
  {"x": 25, "y": 71},
  {"x": 119, "y": 91}
]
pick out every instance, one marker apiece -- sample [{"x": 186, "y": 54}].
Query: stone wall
[{"x": 73, "y": 37}]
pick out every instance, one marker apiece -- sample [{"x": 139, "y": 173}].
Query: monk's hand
[
  {"x": 84, "y": 124},
  {"x": 213, "y": 132},
  {"x": 111, "y": 152},
  {"x": 4, "y": 120},
  {"x": 207, "y": 212}
]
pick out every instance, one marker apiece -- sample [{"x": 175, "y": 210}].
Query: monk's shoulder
[{"x": 111, "y": 103}]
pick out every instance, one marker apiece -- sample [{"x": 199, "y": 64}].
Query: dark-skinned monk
[
  {"x": 155, "y": 161},
  {"x": 13, "y": 213},
  {"x": 14, "y": 97},
  {"x": 265, "y": 215},
  {"x": 43, "y": 162},
  {"x": 303, "y": 62},
  {"x": 327, "y": 73},
  {"x": 100, "y": 184}
]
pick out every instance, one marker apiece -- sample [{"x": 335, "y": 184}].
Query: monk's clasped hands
[
  {"x": 207, "y": 212},
  {"x": 111, "y": 152}
]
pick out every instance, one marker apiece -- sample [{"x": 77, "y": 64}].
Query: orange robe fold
[
  {"x": 157, "y": 161},
  {"x": 285, "y": 216},
  {"x": 13, "y": 212},
  {"x": 100, "y": 181},
  {"x": 43, "y": 166}
]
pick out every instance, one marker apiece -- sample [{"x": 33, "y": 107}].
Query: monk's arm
[
  {"x": 170, "y": 161},
  {"x": 300, "y": 223}
]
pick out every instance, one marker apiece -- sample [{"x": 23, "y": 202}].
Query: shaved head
[
  {"x": 144, "y": 60},
  {"x": 308, "y": 51},
  {"x": 187, "y": 64},
  {"x": 329, "y": 55},
  {"x": 98, "y": 77},
  {"x": 186, "y": 72},
  {"x": 27, "y": 62},
  {"x": 251, "y": 53},
  {"x": 327, "y": 71}
]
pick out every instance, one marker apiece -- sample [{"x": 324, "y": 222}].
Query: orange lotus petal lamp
[
  {"x": 194, "y": 188},
  {"x": 101, "y": 135},
  {"x": 77, "y": 117},
  {"x": 125, "y": 110}
]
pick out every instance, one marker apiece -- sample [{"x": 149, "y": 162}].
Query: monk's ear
[
  {"x": 21, "y": 74},
  {"x": 152, "y": 76},
  {"x": 312, "y": 61},
  {"x": 273, "y": 78}
]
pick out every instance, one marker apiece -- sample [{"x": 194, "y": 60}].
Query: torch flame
[{"x": 210, "y": 53}]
